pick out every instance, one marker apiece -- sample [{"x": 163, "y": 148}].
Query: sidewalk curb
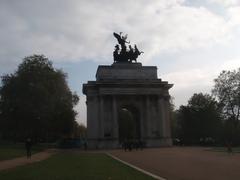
[{"x": 136, "y": 168}]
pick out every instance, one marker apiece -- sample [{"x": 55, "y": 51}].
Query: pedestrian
[
  {"x": 85, "y": 145},
  {"x": 229, "y": 148},
  {"x": 28, "y": 146}
]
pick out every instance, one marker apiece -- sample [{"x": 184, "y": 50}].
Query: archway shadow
[{"x": 129, "y": 123}]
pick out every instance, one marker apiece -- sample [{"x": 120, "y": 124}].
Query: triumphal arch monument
[{"x": 127, "y": 101}]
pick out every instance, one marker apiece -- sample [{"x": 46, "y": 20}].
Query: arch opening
[{"x": 129, "y": 123}]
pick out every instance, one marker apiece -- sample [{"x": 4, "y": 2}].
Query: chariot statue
[{"x": 125, "y": 54}]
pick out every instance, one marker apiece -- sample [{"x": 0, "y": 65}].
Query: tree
[
  {"x": 79, "y": 131},
  {"x": 227, "y": 90},
  {"x": 199, "y": 120},
  {"x": 36, "y": 101},
  {"x": 175, "y": 127}
]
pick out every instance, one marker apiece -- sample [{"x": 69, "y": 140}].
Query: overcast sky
[{"x": 190, "y": 41}]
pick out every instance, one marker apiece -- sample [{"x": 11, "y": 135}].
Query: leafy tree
[
  {"x": 79, "y": 131},
  {"x": 36, "y": 101},
  {"x": 175, "y": 127},
  {"x": 227, "y": 90},
  {"x": 199, "y": 120}
]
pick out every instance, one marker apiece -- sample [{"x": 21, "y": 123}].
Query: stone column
[
  {"x": 101, "y": 117},
  {"x": 115, "y": 118},
  {"x": 147, "y": 120},
  {"x": 167, "y": 116},
  {"x": 162, "y": 114}
]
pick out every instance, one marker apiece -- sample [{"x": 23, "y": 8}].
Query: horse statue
[{"x": 125, "y": 55}]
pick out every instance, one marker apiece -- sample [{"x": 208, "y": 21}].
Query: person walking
[{"x": 28, "y": 146}]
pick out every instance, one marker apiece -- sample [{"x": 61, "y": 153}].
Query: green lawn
[
  {"x": 74, "y": 166},
  {"x": 10, "y": 151}
]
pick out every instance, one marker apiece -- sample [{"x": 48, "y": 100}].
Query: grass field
[
  {"x": 10, "y": 151},
  {"x": 74, "y": 166}
]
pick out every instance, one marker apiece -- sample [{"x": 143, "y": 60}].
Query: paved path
[
  {"x": 7, "y": 164},
  {"x": 184, "y": 163}
]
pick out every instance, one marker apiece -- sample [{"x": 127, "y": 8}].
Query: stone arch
[
  {"x": 135, "y": 88},
  {"x": 129, "y": 125}
]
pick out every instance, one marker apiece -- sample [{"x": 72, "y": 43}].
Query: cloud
[
  {"x": 234, "y": 16},
  {"x": 226, "y": 3},
  {"x": 184, "y": 79},
  {"x": 231, "y": 64},
  {"x": 194, "y": 80},
  {"x": 189, "y": 81},
  {"x": 75, "y": 30}
]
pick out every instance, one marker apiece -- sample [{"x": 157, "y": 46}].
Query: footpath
[
  {"x": 12, "y": 163},
  {"x": 188, "y": 163}
]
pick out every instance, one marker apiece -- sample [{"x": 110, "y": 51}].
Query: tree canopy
[
  {"x": 227, "y": 90},
  {"x": 36, "y": 101},
  {"x": 199, "y": 120},
  {"x": 204, "y": 117}
]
